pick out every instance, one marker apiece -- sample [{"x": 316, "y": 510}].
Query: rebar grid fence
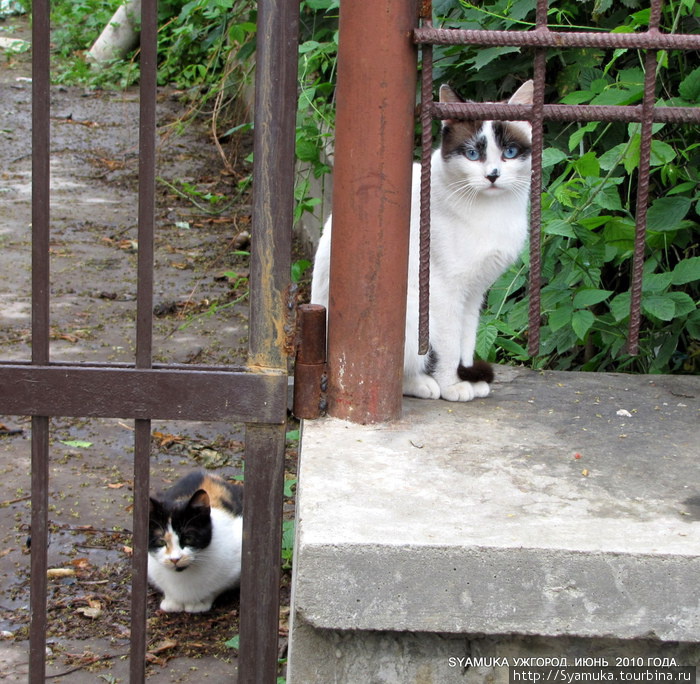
[
  {"x": 255, "y": 394},
  {"x": 539, "y": 40}
]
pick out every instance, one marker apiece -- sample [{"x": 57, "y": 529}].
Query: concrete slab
[{"x": 565, "y": 504}]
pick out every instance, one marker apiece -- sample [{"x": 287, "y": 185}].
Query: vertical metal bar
[
  {"x": 39, "y": 540},
  {"x": 147, "y": 174},
  {"x": 426, "y": 120},
  {"x": 273, "y": 212},
  {"x": 535, "y": 284},
  {"x": 371, "y": 209},
  {"x": 262, "y": 535},
  {"x": 41, "y": 103},
  {"x": 273, "y": 180},
  {"x": 139, "y": 564},
  {"x": 643, "y": 185},
  {"x": 144, "y": 331}
]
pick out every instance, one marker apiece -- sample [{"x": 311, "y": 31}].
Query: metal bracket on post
[{"x": 310, "y": 378}]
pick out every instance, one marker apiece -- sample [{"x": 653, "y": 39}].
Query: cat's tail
[{"x": 481, "y": 371}]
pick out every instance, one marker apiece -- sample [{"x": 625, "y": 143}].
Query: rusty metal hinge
[{"x": 310, "y": 379}]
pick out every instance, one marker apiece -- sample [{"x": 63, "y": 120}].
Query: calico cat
[
  {"x": 194, "y": 544},
  {"x": 479, "y": 217}
]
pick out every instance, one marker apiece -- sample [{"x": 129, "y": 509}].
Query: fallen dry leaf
[
  {"x": 92, "y": 611},
  {"x": 165, "y": 441},
  {"x": 163, "y": 645},
  {"x": 57, "y": 573}
]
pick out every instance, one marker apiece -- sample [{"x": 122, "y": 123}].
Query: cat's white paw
[
  {"x": 198, "y": 607},
  {"x": 465, "y": 391},
  {"x": 171, "y": 606},
  {"x": 422, "y": 386}
]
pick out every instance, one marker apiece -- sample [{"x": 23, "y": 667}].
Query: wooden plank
[{"x": 167, "y": 394}]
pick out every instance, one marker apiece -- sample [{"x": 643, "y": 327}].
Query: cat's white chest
[{"x": 472, "y": 246}]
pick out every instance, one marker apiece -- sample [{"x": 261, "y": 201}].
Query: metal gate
[{"x": 255, "y": 394}]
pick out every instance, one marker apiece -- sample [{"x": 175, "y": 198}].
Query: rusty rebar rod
[{"x": 542, "y": 37}]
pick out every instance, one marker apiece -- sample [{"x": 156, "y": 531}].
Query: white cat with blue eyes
[{"x": 479, "y": 217}]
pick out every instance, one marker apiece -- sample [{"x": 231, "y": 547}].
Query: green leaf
[
  {"x": 233, "y": 642},
  {"x": 620, "y": 306},
  {"x": 299, "y": 267},
  {"x": 589, "y": 297},
  {"x": 659, "y": 306},
  {"x": 517, "y": 351},
  {"x": 610, "y": 159},
  {"x": 306, "y": 150},
  {"x": 576, "y": 137},
  {"x": 581, "y": 322},
  {"x": 689, "y": 88},
  {"x": 552, "y": 156},
  {"x": 558, "y": 227},
  {"x": 287, "y": 539},
  {"x": 666, "y": 213},
  {"x": 588, "y": 165},
  {"x": 661, "y": 153},
  {"x": 560, "y": 317},
  {"x": 685, "y": 304},
  {"x": 693, "y": 324},
  {"x": 77, "y": 443},
  {"x": 487, "y": 55},
  {"x": 289, "y": 486},
  {"x": 686, "y": 271},
  {"x": 656, "y": 282},
  {"x": 579, "y": 97},
  {"x": 633, "y": 154},
  {"x": 608, "y": 198},
  {"x": 485, "y": 337}
]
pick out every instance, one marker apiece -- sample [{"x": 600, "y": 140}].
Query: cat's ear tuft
[
  {"x": 448, "y": 95},
  {"x": 200, "y": 499},
  {"x": 524, "y": 94}
]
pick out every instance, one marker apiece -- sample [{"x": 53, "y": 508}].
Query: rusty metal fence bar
[
  {"x": 41, "y": 102},
  {"x": 255, "y": 394},
  {"x": 540, "y": 39}
]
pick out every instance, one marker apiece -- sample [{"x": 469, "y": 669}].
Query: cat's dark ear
[
  {"x": 523, "y": 95},
  {"x": 200, "y": 499},
  {"x": 154, "y": 506}
]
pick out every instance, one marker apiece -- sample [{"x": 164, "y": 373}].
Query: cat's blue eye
[
  {"x": 511, "y": 152},
  {"x": 472, "y": 154}
]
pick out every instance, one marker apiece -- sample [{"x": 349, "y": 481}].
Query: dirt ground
[{"x": 94, "y": 245}]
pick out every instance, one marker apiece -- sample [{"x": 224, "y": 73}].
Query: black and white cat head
[{"x": 489, "y": 156}]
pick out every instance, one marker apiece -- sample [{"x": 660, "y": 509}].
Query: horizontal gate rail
[{"x": 144, "y": 393}]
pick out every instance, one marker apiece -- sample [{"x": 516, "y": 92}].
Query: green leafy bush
[{"x": 589, "y": 198}]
